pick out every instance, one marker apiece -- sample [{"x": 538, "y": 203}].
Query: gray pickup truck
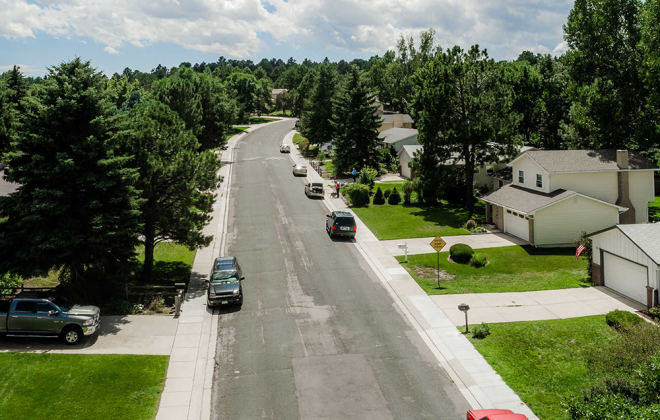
[{"x": 39, "y": 314}]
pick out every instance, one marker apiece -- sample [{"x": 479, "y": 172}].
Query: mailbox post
[
  {"x": 465, "y": 308},
  {"x": 404, "y": 246}
]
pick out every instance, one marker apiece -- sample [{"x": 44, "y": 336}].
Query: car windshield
[
  {"x": 63, "y": 304},
  {"x": 224, "y": 276}
]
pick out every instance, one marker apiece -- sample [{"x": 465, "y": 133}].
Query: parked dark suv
[
  {"x": 340, "y": 223},
  {"x": 225, "y": 282}
]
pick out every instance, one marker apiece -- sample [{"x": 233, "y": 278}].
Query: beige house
[
  {"x": 276, "y": 92},
  {"x": 557, "y": 194},
  {"x": 406, "y": 155},
  {"x": 395, "y": 121}
]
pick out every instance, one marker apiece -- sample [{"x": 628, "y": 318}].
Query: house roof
[
  {"x": 528, "y": 201},
  {"x": 6, "y": 187},
  {"x": 278, "y": 91},
  {"x": 389, "y": 118},
  {"x": 395, "y": 135},
  {"x": 557, "y": 161},
  {"x": 410, "y": 149},
  {"x": 646, "y": 236}
]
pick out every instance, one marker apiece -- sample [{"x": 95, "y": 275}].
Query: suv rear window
[{"x": 345, "y": 221}]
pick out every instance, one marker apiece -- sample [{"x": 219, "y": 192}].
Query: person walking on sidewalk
[
  {"x": 337, "y": 188},
  {"x": 354, "y": 173}
]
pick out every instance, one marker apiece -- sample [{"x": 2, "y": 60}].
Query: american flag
[{"x": 579, "y": 250}]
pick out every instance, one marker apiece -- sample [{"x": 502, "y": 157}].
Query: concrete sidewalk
[
  {"x": 475, "y": 378},
  {"x": 478, "y": 241},
  {"x": 535, "y": 306}
]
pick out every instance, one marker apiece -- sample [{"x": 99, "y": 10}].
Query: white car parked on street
[
  {"x": 299, "y": 170},
  {"x": 285, "y": 148},
  {"x": 314, "y": 189}
]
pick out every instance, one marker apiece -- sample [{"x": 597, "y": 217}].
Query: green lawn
[
  {"x": 510, "y": 269},
  {"x": 545, "y": 362},
  {"x": 287, "y": 112},
  {"x": 234, "y": 131},
  {"x": 654, "y": 211},
  {"x": 298, "y": 138},
  {"x": 415, "y": 221},
  {"x": 261, "y": 120},
  {"x": 69, "y": 387},
  {"x": 172, "y": 263},
  {"x": 329, "y": 168}
]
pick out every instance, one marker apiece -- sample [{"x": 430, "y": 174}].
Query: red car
[{"x": 494, "y": 414}]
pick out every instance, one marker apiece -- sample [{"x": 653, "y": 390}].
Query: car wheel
[{"x": 71, "y": 335}]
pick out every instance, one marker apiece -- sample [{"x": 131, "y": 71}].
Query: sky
[{"x": 141, "y": 34}]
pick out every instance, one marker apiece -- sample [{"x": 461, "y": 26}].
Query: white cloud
[
  {"x": 233, "y": 27},
  {"x": 25, "y": 68},
  {"x": 110, "y": 50}
]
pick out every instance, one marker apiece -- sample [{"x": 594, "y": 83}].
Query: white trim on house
[{"x": 621, "y": 209}]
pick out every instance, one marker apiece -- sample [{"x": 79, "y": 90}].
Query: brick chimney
[
  {"x": 623, "y": 178},
  {"x": 398, "y": 120}
]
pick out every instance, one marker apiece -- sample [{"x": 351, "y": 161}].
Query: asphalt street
[{"x": 318, "y": 337}]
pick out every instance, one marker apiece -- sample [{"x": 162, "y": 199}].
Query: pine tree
[
  {"x": 7, "y": 120},
  {"x": 316, "y": 125},
  {"x": 173, "y": 178},
  {"x": 18, "y": 86},
  {"x": 76, "y": 208},
  {"x": 355, "y": 125}
]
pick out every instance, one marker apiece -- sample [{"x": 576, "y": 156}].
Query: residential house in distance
[
  {"x": 483, "y": 174},
  {"x": 555, "y": 195},
  {"x": 6, "y": 187},
  {"x": 390, "y": 121},
  {"x": 398, "y": 137},
  {"x": 276, "y": 92}
]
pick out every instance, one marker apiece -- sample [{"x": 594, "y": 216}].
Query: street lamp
[{"x": 463, "y": 307}]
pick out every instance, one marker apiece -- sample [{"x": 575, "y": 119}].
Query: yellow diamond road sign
[{"x": 438, "y": 243}]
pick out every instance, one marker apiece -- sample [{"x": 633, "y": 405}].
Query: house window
[
  {"x": 508, "y": 211},
  {"x": 489, "y": 170},
  {"x": 539, "y": 181},
  {"x": 521, "y": 177},
  {"x": 521, "y": 216},
  {"x": 476, "y": 170}
]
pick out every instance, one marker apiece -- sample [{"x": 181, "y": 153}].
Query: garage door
[
  {"x": 625, "y": 277},
  {"x": 516, "y": 225}
]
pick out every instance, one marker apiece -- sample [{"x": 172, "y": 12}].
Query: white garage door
[
  {"x": 625, "y": 277},
  {"x": 405, "y": 169},
  {"x": 516, "y": 225}
]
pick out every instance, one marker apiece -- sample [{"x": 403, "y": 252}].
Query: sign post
[{"x": 438, "y": 243}]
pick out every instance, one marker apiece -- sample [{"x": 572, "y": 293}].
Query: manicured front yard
[
  {"x": 510, "y": 269},
  {"x": 261, "y": 120},
  {"x": 415, "y": 221},
  {"x": 234, "y": 131},
  {"x": 298, "y": 138},
  {"x": 68, "y": 387},
  {"x": 545, "y": 362},
  {"x": 329, "y": 168},
  {"x": 654, "y": 211},
  {"x": 172, "y": 263}
]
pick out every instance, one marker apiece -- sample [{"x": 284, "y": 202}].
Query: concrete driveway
[
  {"x": 131, "y": 334},
  {"x": 534, "y": 306},
  {"x": 482, "y": 240}
]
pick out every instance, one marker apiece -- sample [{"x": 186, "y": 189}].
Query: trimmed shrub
[
  {"x": 461, "y": 253},
  {"x": 387, "y": 193},
  {"x": 367, "y": 176},
  {"x": 357, "y": 194},
  {"x": 655, "y": 313},
  {"x": 408, "y": 188},
  {"x": 478, "y": 260},
  {"x": 471, "y": 224},
  {"x": 480, "y": 331},
  {"x": 378, "y": 198},
  {"x": 395, "y": 197},
  {"x": 320, "y": 156},
  {"x": 621, "y": 319}
]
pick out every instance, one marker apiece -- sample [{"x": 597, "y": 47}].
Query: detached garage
[{"x": 626, "y": 260}]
